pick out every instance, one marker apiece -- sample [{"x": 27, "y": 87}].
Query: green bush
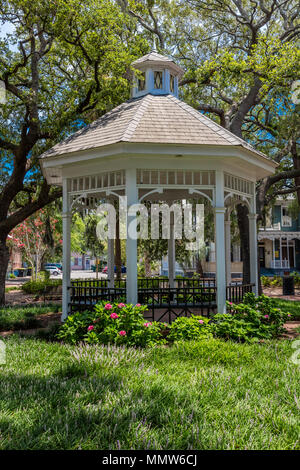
[
  {"x": 265, "y": 281},
  {"x": 116, "y": 323},
  {"x": 277, "y": 281},
  {"x": 296, "y": 276},
  {"x": 40, "y": 286},
  {"x": 190, "y": 328},
  {"x": 255, "y": 319}
]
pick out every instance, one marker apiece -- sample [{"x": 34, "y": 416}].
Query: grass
[
  {"x": 15, "y": 318},
  {"x": 205, "y": 395},
  {"x": 11, "y": 288},
  {"x": 290, "y": 306}
]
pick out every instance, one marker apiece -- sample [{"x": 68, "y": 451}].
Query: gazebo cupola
[{"x": 157, "y": 74}]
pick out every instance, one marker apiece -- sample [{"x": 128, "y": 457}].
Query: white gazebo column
[
  {"x": 228, "y": 250},
  {"x": 131, "y": 242},
  {"x": 171, "y": 253},
  {"x": 111, "y": 262},
  {"x": 66, "y": 273},
  {"x": 253, "y": 251},
  {"x": 220, "y": 242}
]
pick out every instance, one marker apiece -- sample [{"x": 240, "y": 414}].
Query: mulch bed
[
  {"x": 45, "y": 321},
  {"x": 291, "y": 332}
]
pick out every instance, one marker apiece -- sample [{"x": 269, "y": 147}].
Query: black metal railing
[
  {"x": 178, "y": 301},
  {"x": 187, "y": 295},
  {"x": 235, "y": 293},
  {"x": 147, "y": 282}
]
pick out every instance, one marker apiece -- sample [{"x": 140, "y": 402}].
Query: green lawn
[
  {"x": 205, "y": 395},
  {"x": 14, "y": 318},
  {"x": 290, "y": 306}
]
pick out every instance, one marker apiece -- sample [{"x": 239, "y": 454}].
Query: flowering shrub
[
  {"x": 190, "y": 328},
  {"x": 256, "y": 318},
  {"x": 116, "y": 323}
]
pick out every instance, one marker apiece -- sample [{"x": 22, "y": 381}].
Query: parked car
[
  {"x": 53, "y": 270},
  {"x": 123, "y": 269},
  {"x": 53, "y": 265}
]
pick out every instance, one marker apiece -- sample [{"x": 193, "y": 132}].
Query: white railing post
[
  {"x": 253, "y": 251},
  {"x": 66, "y": 217},
  {"x": 220, "y": 242},
  {"x": 131, "y": 243}
]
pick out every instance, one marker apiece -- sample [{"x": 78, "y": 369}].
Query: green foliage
[
  {"x": 296, "y": 276},
  {"x": 91, "y": 240},
  {"x": 116, "y": 323},
  {"x": 276, "y": 281},
  {"x": 265, "y": 281},
  {"x": 41, "y": 286},
  {"x": 255, "y": 319},
  {"x": 190, "y": 328}
]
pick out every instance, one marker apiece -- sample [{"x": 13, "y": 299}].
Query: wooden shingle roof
[{"x": 149, "y": 119}]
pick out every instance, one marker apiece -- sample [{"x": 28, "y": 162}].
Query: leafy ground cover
[
  {"x": 209, "y": 394},
  {"x": 22, "y": 317}
]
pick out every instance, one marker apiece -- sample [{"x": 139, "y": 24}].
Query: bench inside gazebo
[{"x": 156, "y": 148}]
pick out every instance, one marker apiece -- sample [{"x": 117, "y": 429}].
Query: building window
[
  {"x": 158, "y": 80},
  {"x": 142, "y": 82},
  {"x": 286, "y": 220},
  {"x": 172, "y": 83}
]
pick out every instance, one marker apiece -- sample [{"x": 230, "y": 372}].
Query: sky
[{"x": 6, "y": 28}]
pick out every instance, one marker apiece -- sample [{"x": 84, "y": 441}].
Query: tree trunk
[
  {"x": 243, "y": 223},
  {"x": 97, "y": 267},
  {"x": 296, "y": 162},
  {"x": 147, "y": 265},
  {"x": 4, "y": 258},
  {"x": 199, "y": 267},
  {"x": 118, "y": 260},
  {"x": 259, "y": 287}
]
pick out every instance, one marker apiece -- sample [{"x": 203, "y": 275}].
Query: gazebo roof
[
  {"x": 153, "y": 58},
  {"x": 162, "y": 119}
]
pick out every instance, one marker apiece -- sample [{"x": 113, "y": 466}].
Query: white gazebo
[{"x": 156, "y": 147}]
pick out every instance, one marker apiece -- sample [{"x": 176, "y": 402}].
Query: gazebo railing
[
  {"x": 235, "y": 293},
  {"x": 189, "y": 294},
  {"x": 147, "y": 282}
]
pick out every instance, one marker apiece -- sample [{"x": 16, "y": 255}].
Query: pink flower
[
  {"x": 122, "y": 333},
  {"x": 108, "y": 306},
  {"x": 91, "y": 327},
  {"x": 266, "y": 316},
  {"x": 147, "y": 324},
  {"x": 201, "y": 321},
  {"x": 230, "y": 303},
  {"x": 121, "y": 305},
  {"x": 114, "y": 315},
  {"x": 138, "y": 305},
  {"x": 289, "y": 315}
]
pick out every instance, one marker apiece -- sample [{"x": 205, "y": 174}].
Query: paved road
[{"x": 75, "y": 274}]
